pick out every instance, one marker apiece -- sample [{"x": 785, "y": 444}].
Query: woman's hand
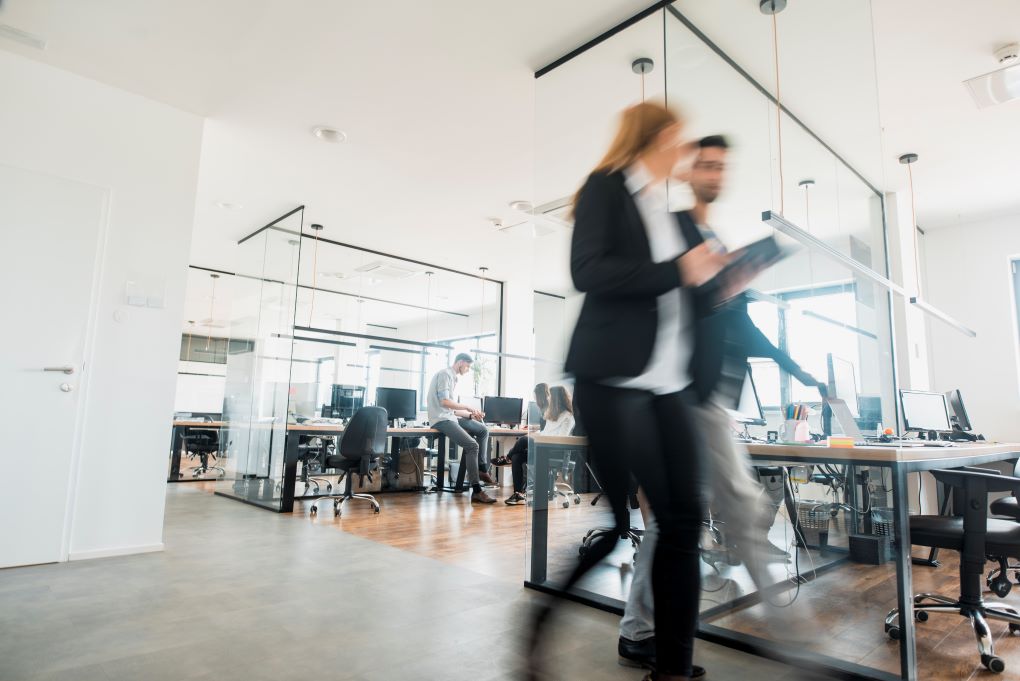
[{"x": 700, "y": 264}]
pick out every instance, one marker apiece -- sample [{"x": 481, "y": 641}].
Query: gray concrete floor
[{"x": 242, "y": 593}]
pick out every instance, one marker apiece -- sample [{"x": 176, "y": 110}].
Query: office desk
[
  {"x": 180, "y": 428},
  {"x": 900, "y": 462},
  {"x": 295, "y": 430},
  {"x": 445, "y": 449}
]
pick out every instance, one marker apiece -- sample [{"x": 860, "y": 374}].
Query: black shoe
[{"x": 642, "y": 654}]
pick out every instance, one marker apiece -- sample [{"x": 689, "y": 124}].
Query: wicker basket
[{"x": 814, "y": 518}]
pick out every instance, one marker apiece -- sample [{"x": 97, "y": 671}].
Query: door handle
[{"x": 66, "y": 370}]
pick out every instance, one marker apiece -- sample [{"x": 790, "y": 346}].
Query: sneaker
[
  {"x": 515, "y": 499},
  {"x": 487, "y": 479},
  {"x": 482, "y": 498}
]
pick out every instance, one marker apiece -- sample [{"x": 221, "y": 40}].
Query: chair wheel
[
  {"x": 894, "y": 633},
  {"x": 377, "y": 510},
  {"x": 1000, "y": 586},
  {"x": 1014, "y": 628},
  {"x": 566, "y": 504},
  {"x": 993, "y": 664},
  {"x": 577, "y": 501},
  {"x": 314, "y": 511},
  {"x": 921, "y": 616}
]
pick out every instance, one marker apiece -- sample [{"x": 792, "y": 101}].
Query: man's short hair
[
  {"x": 714, "y": 141},
  {"x": 464, "y": 357}
]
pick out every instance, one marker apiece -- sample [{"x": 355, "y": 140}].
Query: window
[{"x": 813, "y": 323}]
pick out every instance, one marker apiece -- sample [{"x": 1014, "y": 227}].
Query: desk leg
[
  {"x": 540, "y": 516},
  {"x": 441, "y": 463},
  {"x": 393, "y": 470},
  {"x": 850, "y": 479},
  {"x": 904, "y": 578},
  {"x": 290, "y": 459},
  {"x": 177, "y": 441}
]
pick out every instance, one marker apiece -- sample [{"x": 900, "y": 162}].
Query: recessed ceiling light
[
  {"x": 331, "y": 135},
  {"x": 523, "y": 206},
  {"x": 23, "y": 37},
  {"x": 226, "y": 205}
]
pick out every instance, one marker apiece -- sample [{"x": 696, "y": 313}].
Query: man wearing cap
[{"x": 462, "y": 425}]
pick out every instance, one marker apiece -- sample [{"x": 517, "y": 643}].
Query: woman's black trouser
[
  {"x": 634, "y": 432},
  {"x": 518, "y": 456}
]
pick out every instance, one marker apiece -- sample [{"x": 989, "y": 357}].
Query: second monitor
[
  {"x": 399, "y": 403},
  {"x": 503, "y": 410}
]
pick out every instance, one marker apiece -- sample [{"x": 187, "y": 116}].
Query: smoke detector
[{"x": 1008, "y": 54}]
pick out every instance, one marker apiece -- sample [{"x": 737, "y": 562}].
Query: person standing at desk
[
  {"x": 630, "y": 354},
  {"x": 461, "y": 424}
]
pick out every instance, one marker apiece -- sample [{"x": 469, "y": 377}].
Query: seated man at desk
[{"x": 462, "y": 425}]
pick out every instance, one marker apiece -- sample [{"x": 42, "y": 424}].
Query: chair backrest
[{"x": 365, "y": 435}]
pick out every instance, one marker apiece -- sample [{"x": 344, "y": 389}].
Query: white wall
[
  {"x": 147, "y": 154},
  {"x": 967, "y": 275}
]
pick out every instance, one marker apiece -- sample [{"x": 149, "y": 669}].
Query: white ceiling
[{"x": 438, "y": 101}]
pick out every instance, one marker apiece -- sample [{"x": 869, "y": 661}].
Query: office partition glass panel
[
  {"x": 258, "y": 385},
  {"x": 817, "y": 162}
]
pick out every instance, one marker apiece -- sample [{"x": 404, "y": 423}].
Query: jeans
[
  {"x": 737, "y": 501},
  {"x": 633, "y": 432},
  {"x": 473, "y": 438},
  {"x": 638, "y": 615},
  {"x": 518, "y": 456}
]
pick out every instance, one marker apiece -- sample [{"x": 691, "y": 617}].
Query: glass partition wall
[
  {"x": 319, "y": 327},
  {"x": 799, "y": 110}
]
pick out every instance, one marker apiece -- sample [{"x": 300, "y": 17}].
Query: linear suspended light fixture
[
  {"x": 777, "y": 221},
  {"x": 783, "y": 225},
  {"x": 942, "y": 316}
]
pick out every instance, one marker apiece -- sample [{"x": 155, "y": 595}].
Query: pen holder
[{"x": 796, "y": 431}]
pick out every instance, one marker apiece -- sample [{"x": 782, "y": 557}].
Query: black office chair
[
  {"x": 631, "y": 534},
  {"x": 975, "y": 536},
  {"x": 203, "y": 444},
  {"x": 998, "y": 579},
  {"x": 361, "y": 446},
  {"x": 312, "y": 453}
]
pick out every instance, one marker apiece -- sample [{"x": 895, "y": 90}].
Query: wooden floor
[{"x": 846, "y": 605}]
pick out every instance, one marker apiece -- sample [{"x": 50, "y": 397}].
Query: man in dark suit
[{"x": 725, "y": 336}]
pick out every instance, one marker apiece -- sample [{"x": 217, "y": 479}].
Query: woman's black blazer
[{"x": 611, "y": 263}]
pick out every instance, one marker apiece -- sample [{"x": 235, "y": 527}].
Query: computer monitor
[
  {"x": 399, "y": 403},
  {"x": 749, "y": 411},
  {"x": 957, "y": 412},
  {"x": 345, "y": 400},
  {"x": 923, "y": 411},
  {"x": 506, "y": 410},
  {"x": 843, "y": 383},
  {"x": 535, "y": 415}
]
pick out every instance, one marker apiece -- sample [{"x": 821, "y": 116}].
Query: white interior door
[{"x": 49, "y": 236}]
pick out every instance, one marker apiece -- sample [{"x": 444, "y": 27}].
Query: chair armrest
[{"x": 989, "y": 482}]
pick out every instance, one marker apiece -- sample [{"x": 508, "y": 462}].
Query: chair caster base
[{"x": 993, "y": 663}]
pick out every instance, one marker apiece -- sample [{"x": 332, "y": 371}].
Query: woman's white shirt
[{"x": 561, "y": 426}]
